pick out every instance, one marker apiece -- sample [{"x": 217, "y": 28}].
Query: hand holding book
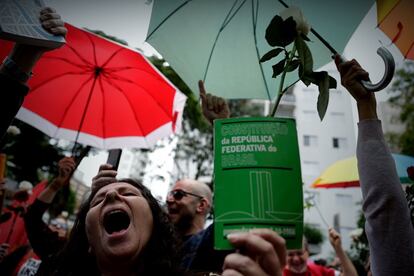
[{"x": 24, "y": 54}]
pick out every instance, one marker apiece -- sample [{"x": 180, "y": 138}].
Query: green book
[{"x": 257, "y": 179}]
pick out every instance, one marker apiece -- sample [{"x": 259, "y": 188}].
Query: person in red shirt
[{"x": 298, "y": 264}]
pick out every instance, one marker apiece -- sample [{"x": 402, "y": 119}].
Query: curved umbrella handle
[{"x": 388, "y": 74}]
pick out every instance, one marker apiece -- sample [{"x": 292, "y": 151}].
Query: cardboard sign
[{"x": 257, "y": 178}]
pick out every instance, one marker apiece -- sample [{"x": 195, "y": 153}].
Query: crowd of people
[{"x": 121, "y": 229}]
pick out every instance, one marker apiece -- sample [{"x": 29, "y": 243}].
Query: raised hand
[
  {"x": 105, "y": 176},
  {"x": 26, "y": 56},
  {"x": 213, "y": 107},
  {"x": 52, "y": 22},
  {"x": 66, "y": 166},
  {"x": 334, "y": 238},
  {"x": 351, "y": 75}
]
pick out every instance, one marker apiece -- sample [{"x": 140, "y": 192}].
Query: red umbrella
[{"x": 100, "y": 93}]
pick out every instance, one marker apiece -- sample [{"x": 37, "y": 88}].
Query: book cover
[
  {"x": 257, "y": 179},
  {"x": 19, "y": 22}
]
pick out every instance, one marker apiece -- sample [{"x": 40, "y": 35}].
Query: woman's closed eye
[
  {"x": 130, "y": 194},
  {"x": 96, "y": 201}
]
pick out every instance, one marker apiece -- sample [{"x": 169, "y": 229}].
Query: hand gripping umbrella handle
[{"x": 388, "y": 74}]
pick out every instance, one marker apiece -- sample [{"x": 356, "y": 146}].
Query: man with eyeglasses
[{"x": 188, "y": 204}]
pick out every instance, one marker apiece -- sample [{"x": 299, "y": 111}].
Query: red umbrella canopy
[{"x": 100, "y": 93}]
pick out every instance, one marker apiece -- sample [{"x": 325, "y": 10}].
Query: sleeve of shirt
[
  {"x": 388, "y": 224},
  {"x": 44, "y": 241},
  {"x": 11, "y": 99}
]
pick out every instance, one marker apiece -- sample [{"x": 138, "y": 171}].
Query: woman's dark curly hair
[{"x": 159, "y": 257}]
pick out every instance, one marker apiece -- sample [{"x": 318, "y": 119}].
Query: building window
[
  {"x": 310, "y": 140},
  {"x": 339, "y": 143},
  {"x": 338, "y": 116},
  {"x": 310, "y": 168},
  {"x": 344, "y": 200}
]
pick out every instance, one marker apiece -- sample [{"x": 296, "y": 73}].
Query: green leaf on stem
[
  {"x": 278, "y": 68},
  {"x": 332, "y": 82},
  {"x": 323, "y": 98},
  {"x": 271, "y": 54},
  {"x": 308, "y": 78},
  {"x": 292, "y": 65},
  {"x": 305, "y": 57}
]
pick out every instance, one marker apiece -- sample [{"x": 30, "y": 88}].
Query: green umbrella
[{"x": 221, "y": 41}]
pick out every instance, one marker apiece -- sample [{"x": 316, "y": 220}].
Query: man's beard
[{"x": 184, "y": 223}]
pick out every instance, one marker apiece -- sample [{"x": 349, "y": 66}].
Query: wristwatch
[{"x": 14, "y": 71}]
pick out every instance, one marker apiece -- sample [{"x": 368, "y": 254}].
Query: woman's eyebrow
[{"x": 129, "y": 189}]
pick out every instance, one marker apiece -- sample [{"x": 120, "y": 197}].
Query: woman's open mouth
[{"x": 116, "y": 221}]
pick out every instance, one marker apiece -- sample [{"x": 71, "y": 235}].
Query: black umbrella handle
[{"x": 388, "y": 73}]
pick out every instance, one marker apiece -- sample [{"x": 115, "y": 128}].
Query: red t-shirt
[{"x": 313, "y": 270}]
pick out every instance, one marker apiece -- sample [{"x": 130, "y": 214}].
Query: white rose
[
  {"x": 356, "y": 233},
  {"x": 25, "y": 186},
  {"x": 302, "y": 25},
  {"x": 13, "y": 130}
]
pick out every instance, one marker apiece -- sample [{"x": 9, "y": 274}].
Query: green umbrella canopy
[{"x": 221, "y": 41}]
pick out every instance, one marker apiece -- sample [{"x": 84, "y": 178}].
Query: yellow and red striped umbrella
[
  {"x": 344, "y": 173},
  {"x": 395, "y": 18},
  {"x": 341, "y": 174}
]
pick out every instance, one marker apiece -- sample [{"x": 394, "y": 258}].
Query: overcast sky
[{"x": 126, "y": 19}]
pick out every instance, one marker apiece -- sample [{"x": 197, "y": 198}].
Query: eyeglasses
[
  {"x": 179, "y": 194},
  {"x": 58, "y": 225}
]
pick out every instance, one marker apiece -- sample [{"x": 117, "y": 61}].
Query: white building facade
[{"x": 320, "y": 145}]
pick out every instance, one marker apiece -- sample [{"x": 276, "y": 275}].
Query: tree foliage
[
  {"x": 30, "y": 156},
  {"x": 403, "y": 97},
  {"x": 194, "y": 145},
  {"x": 359, "y": 252},
  {"x": 312, "y": 234}
]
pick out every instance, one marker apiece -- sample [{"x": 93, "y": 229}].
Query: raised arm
[
  {"x": 348, "y": 268},
  {"x": 17, "y": 67},
  {"x": 388, "y": 224},
  {"x": 43, "y": 240}
]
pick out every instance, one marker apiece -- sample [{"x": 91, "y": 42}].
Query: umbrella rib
[
  {"x": 67, "y": 61},
  {"x": 134, "y": 83},
  {"x": 112, "y": 56},
  {"x": 72, "y": 101},
  {"x": 388, "y": 13},
  {"x": 119, "y": 69},
  {"x": 79, "y": 55},
  {"x": 93, "y": 48},
  {"x": 34, "y": 88},
  {"x": 409, "y": 49},
  {"x": 86, "y": 108},
  {"x": 254, "y": 17},
  {"x": 224, "y": 24},
  {"x": 103, "y": 108},
  {"x": 227, "y": 20},
  {"x": 168, "y": 17},
  {"x": 129, "y": 102}
]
